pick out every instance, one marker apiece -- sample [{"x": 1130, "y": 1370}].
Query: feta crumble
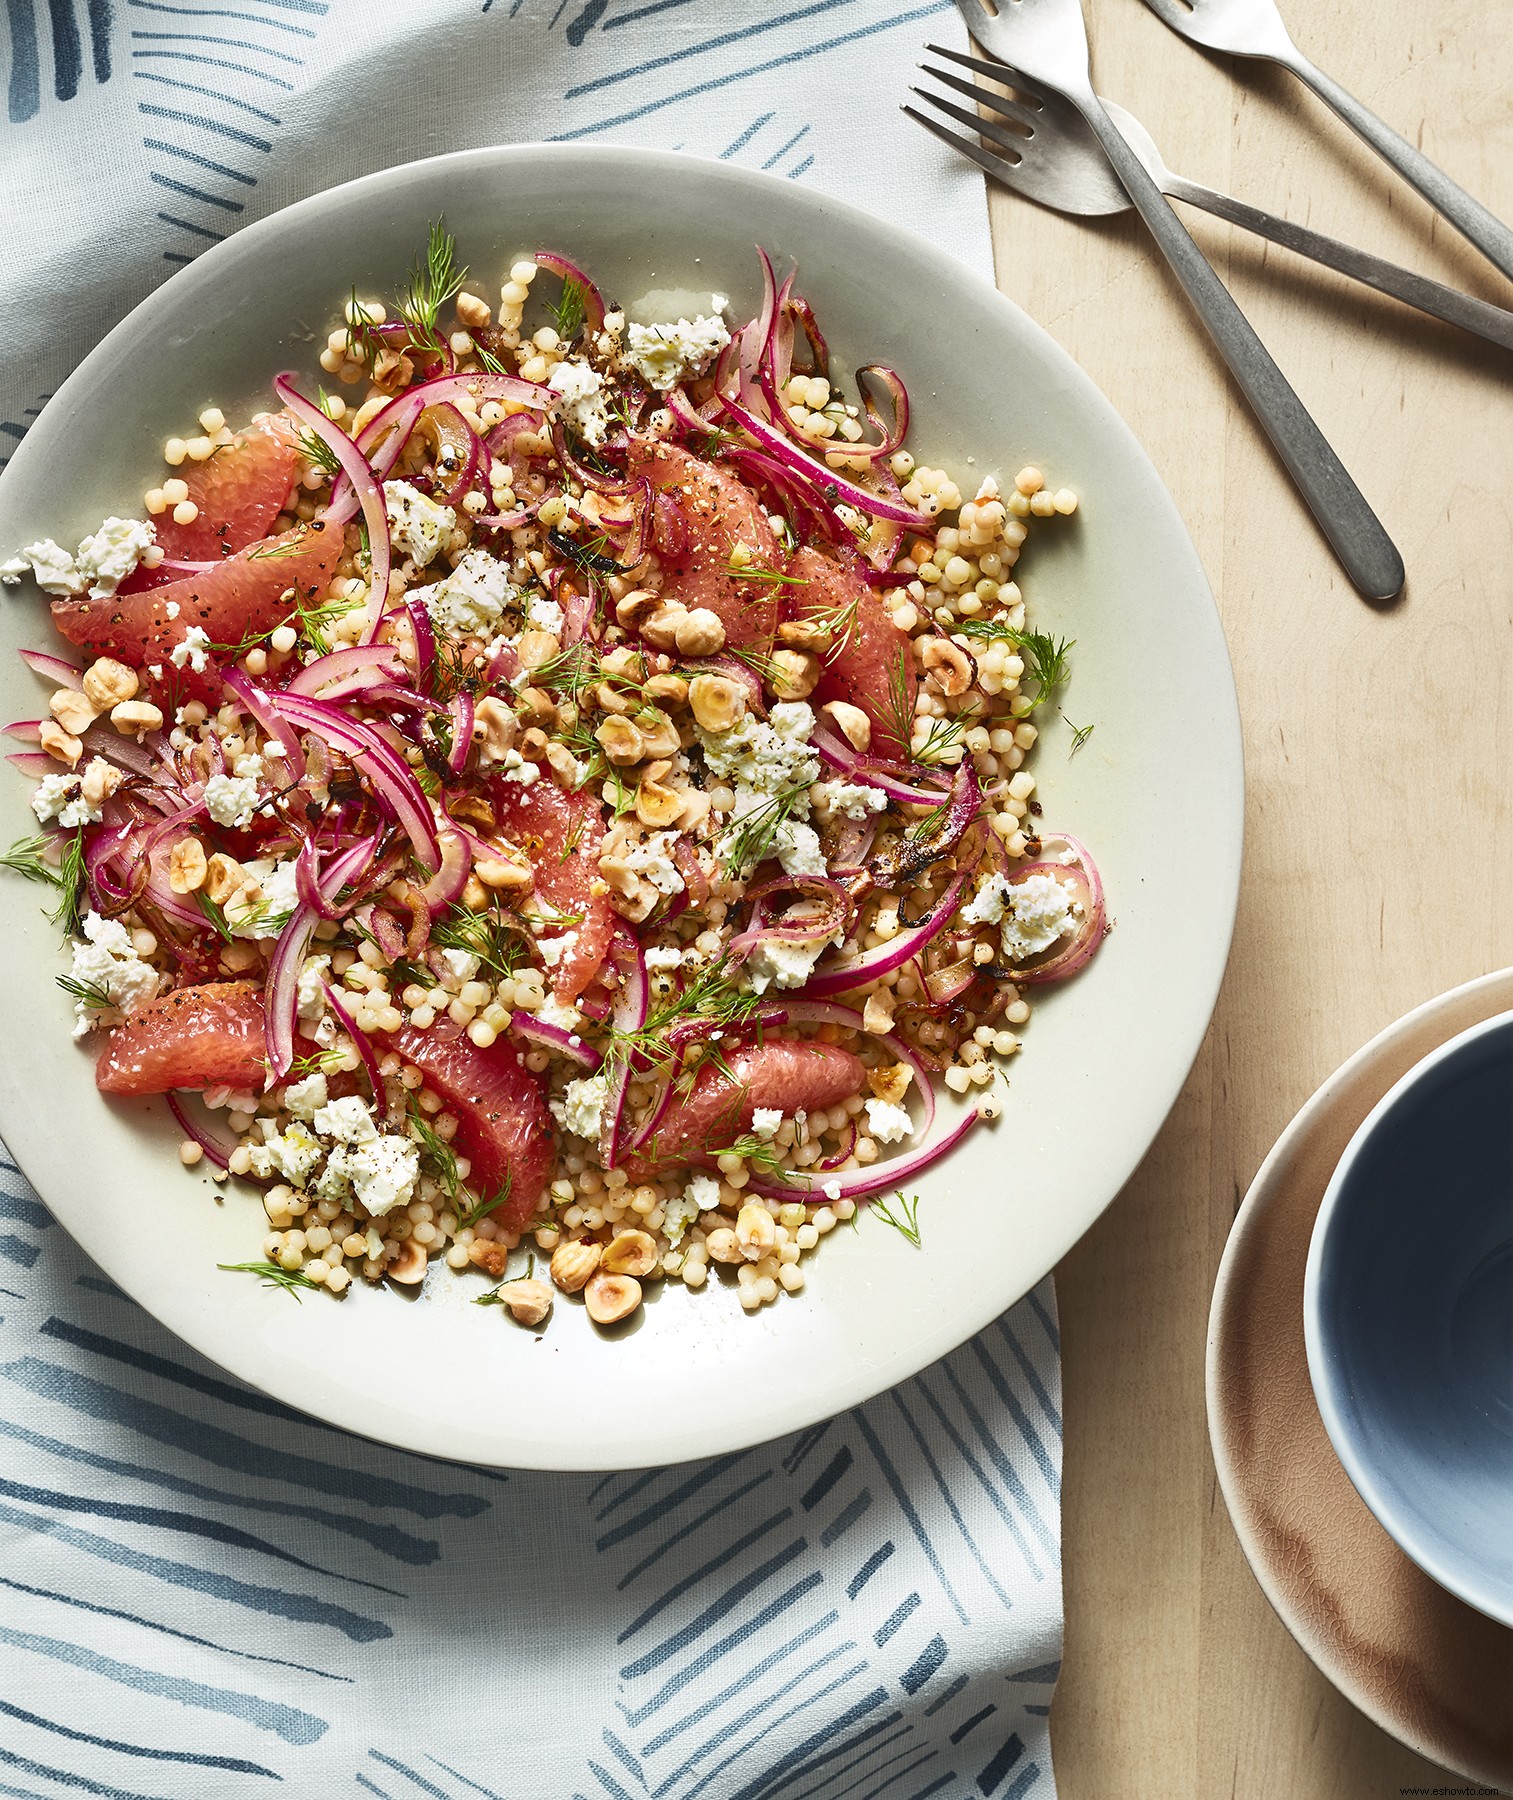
[
  {"x": 381, "y": 1173},
  {"x": 292, "y": 1153},
  {"x": 1040, "y": 912},
  {"x": 60, "y": 798},
  {"x": 310, "y": 989},
  {"x": 664, "y": 355},
  {"x": 108, "y": 964},
  {"x": 660, "y": 959},
  {"x": 582, "y": 391},
  {"x": 346, "y": 1121},
  {"x": 305, "y": 1098},
  {"x": 765, "y": 1122},
  {"x": 847, "y": 799},
  {"x": 193, "y": 649},
  {"x": 108, "y": 555},
  {"x": 701, "y": 1195},
  {"x": 418, "y": 524},
  {"x": 775, "y": 963},
  {"x": 544, "y": 614},
  {"x": 986, "y": 906},
  {"x": 51, "y": 566},
  {"x": 472, "y": 600},
  {"x": 552, "y": 950},
  {"x": 581, "y": 1108},
  {"x": 888, "y": 1123},
  {"x": 231, "y": 800},
  {"x": 462, "y": 963}
]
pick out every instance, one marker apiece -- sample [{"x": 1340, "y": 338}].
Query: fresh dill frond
[
  {"x": 569, "y": 310},
  {"x": 322, "y": 1062},
  {"x": 24, "y": 858},
  {"x": 897, "y": 714},
  {"x": 312, "y": 622},
  {"x": 432, "y": 285},
  {"x": 482, "y": 934},
  {"x": 437, "y": 1156},
  {"x": 314, "y": 448},
  {"x": 837, "y": 622},
  {"x": 749, "y": 838},
  {"x": 278, "y": 552},
  {"x": 485, "y": 1204},
  {"x": 260, "y": 914},
  {"x": 755, "y": 572},
  {"x": 906, "y": 1220},
  {"x": 1080, "y": 735},
  {"x": 27, "y": 858},
  {"x": 757, "y": 1153},
  {"x": 924, "y": 828},
  {"x": 624, "y": 796},
  {"x": 761, "y": 665},
  {"x": 90, "y": 992},
  {"x": 943, "y": 735},
  {"x": 362, "y": 330},
  {"x": 495, "y": 1296},
  {"x": 488, "y": 360},
  {"x": 710, "y": 998},
  {"x": 999, "y": 629},
  {"x": 272, "y": 1275},
  {"x": 1045, "y": 661},
  {"x": 572, "y": 671}
]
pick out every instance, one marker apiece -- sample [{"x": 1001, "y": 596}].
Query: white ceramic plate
[{"x": 1156, "y": 792}]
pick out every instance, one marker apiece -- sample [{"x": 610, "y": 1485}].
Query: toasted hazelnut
[
  {"x": 537, "y": 647},
  {"x": 491, "y": 1257},
  {"x": 474, "y": 895},
  {"x": 620, "y": 740},
  {"x": 668, "y": 690},
  {"x": 494, "y": 727},
  {"x": 391, "y": 370},
  {"x": 694, "y": 809},
  {"x": 224, "y": 877},
  {"x": 659, "y": 736},
  {"x": 537, "y": 705},
  {"x": 793, "y": 673},
  {"x": 891, "y": 1082},
  {"x": 573, "y": 1262},
  {"x": 803, "y": 634},
  {"x": 623, "y": 661},
  {"x": 472, "y": 313},
  {"x": 852, "y": 723},
  {"x": 661, "y": 626},
  {"x": 717, "y": 701},
  {"x": 59, "y": 744},
  {"x": 533, "y": 742},
  {"x": 108, "y": 682},
  {"x": 723, "y": 1246},
  {"x": 637, "y": 605},
  {"x": 699, "y": 633},
  {"x": 409, "y": 1266},
  {"x": 132, "y": 717},
  {"x": 610, "y": 1298},
  {"x": 564, "y": 764},
  {"x": 510, "y": 874},
  {"x": 528, "y": 1301},
  {"x": 609, "y": 699},
  {"x": 629, "y": 894},
  {"x": 74, "y": 711},
  {"x": 877, "y": 1014},
  {"x": 101, "y": 779},
  {"x": 657, "y": 806},
  {"x": 630, "y": 1253},
  {"x": 948, "y": 668},
  {"x": 187, "y": 867},
  {"x": 755, "y": 1231}
]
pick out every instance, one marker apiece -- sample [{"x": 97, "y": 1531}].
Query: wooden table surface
[{"x": 1379, "y": 852}]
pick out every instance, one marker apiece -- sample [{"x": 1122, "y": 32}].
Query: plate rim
[
  {"x": 860, "y": 1384},
  {"x": 1308, "y": 1116}
]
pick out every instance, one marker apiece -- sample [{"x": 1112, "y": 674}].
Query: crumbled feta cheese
[
  {"x": 581, "y": 1108},
  {"x": 252, "y": 766},
  {"x": 774, "y": 963},
  {"x": 231, "y": 799},
  {"x": 311, "y": 988},
  {"x": 107, "y": 556},
  {"x": 294, "y": 1153},
  {"x": 765, "y": 759},
  {"x": 582, "y": 391},
  {"x": 552, "y": 1012},
  {"x": 107, "y": 963},
  {"x": 848, "y": 799},
  {"x": 1041, "y": 911},
  {"x": 59, "y": 797},
  {"x": 472, "y": 600},
  {"x": 552, "y": 950},
  {"x": 765, "y": 1122},
  {"x": 12, "y": 569},
  {"x": 667, "y": 354},
  {"x": 653, "y": 862},
  {"x": 462, "y": 963},
  {"x": 831, "y": 1190},
  {"x": 52, "y": 566},
  {"x": 514, "y": 767},
  {"x": 171, "y": 609},
  {"x": 887, "y": 1122},
  {"x": 305, "y": 1098},
  {"x": 381, "y": 1173},
  {"x": 986, "y": 906},
  {"x": 797, "y": 848},
  {"x": 346, "y": 1121},
  {"x": 701, "y": 1195},
  {"x": 277, "y": 898},
  {"x": 417, "y": 524},
  {"x": 544, "y": 614},
  {"x": 193, "y": 650},
  {"x": 660, "y": 958}
]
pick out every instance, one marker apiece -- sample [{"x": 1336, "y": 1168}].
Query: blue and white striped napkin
[{"x": 205, "y": 1594}]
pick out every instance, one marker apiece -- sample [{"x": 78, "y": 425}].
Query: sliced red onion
[
  {"x": 451, "y": 878},
  {"x": 1080, "y": 948},
  {"x": 859, "y": 1184},
  {"x": 281, "y": 991},
  {"x": 882, "y": 959},
  {"x": 53, "y": 668},
  {"x": 259, "y": 705},
  {"x": 452, "y": 433},
  {"x": 508, "y": 429},
  {"x": 907, "y": 856},
  {"x": 369, "y": 494},
  {"x": 614, "y": 485},
  {"x": 869, "y": 771},
  {"x": 511, "y": 521},
  {"x": 25, "y": 731},
  {"x": 420, "y": 624},
  {"x": 319, "y": 889},
  {"x": 360, "y": 1040},
  {"x": 345, "y": 672},
  {"x": 556, "y": 1039},
  {"x": 216, "y": 1152},
  {"x": 463, "y": 712},
  {"x": 825, "y": 924},
  {"x": 593, "y": 300},
  {"x": 33, "y": 762},
  {"x": 836, "y": 1157}
]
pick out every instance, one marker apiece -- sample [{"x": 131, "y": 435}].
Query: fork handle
[
  {"x": 1432, "y": 297},
  {"x": 1362, "y": 545},
  {"x": 1468, "y": 216}
]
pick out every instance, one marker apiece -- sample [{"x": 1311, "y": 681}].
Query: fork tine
[
  {"x": 997, "y": 166},
  {"x": 1002, "y": 72},
  {"x": 984, "y": 127},
  {"x": 1177, "y": 16},
  {"x": 1010, "y": 109}
]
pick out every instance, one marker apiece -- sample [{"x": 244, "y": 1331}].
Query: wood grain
[{"x": 1379, "y": 835}]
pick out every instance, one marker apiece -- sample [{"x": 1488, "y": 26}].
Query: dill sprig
[
  {"x": 711, "y": 997},
  {"x": 272, "y": 1275},
  {"x": 27, "y": 858},
  {"x": 944, "y": 735},
  {"x": 321, "y": 1062},
  {"x": 362, "y": 330},
  {"x": 1046, "y": 658},
  {"x": 90, "y": 992},
  {"x": 495, "y": 1296},
  {"x": 437, "y": 1156},
  {"x": 757, "y": 1153},
  {"x": 1080, "y": 735},
  {"x": 314, "y": 448},
  {"x": 432, "y": 284},
  {"x": 486, "y": 935},
  {"x": 569, "y": 310},
  {"x": 906, "y": 1220},
  {"x": 260, "y": 914},
  {"x": 749, "y": 839},
  {"x": 755, "y": 572},
  {"x": 897, "y": 713},
  {"x": 837, "y": 622},
  {"x": 485, "y": 1204}
]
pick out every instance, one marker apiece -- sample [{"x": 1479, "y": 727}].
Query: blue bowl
[{"x": 1408, "y": 1314}]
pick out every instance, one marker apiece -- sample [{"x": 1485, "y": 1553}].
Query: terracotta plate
[{"x": 1426, "y": 1667}]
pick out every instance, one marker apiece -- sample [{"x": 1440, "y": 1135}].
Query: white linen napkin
[{"x": 205, "y": 1594}]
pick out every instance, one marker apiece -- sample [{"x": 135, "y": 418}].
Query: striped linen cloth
[{"x": 203, "y": 1594}]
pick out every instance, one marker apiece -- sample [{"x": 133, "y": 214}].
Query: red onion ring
[
  {"x": 281, "y": 990},
  {"x": 345, "y": 672},
  {"x": 593, "y": 300},
  {"x": 360, "y": 1040},
  {"x": 555, "y": 1038},
  {"x": 882, "y": 959},
  {"x": 215, "y": 1151},
  {"x": 53, "y": 668}
]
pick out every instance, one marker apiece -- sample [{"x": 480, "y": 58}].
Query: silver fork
[
  {"x": 1047, "y": 40},
  {"x": 1053, "y": 158},
  {"x": 1254, "y": 28}
]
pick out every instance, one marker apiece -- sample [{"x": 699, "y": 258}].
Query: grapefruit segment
[
  {"x": 712, "y": 513},
  {"x": 784, "y": 1073},
  {"x": 239, "y": 598},
  {"x": 561, "y": 834},
  {"x": 503, "y": 1126},
  {"x": 863, "y": 663},
  {"x": 239, "y": 490},
  {"x": 195, "y": 1037}
]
